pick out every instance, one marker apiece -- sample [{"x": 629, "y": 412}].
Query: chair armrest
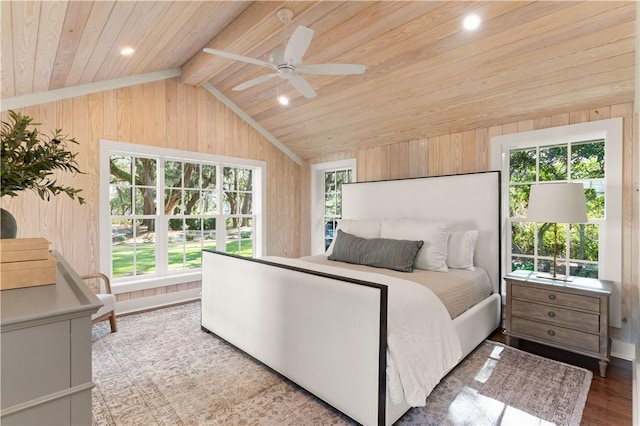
[{"x": 105, "y": 279}]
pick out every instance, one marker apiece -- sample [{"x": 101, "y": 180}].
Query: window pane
[
  {"x": 546, "y": 265},
  {"x": 231, "y": 203},
  {"x": 583, "y": 269},
  {"x": 145, "y": 171},
  {"x": 523, "y": 263},
  {"x": 246, "y": 202},
  {"x": 175, "y": 243},
  {"x": 245, "y": 248},
  {"x": 172, "y": 201},
  {"x": 329, "y": 182},
  {"x": 244, "y": 180},
  {"x": 191, "y": 200},
  {"x": 330, "y": 204},
  {"x": 546, "y": 240},
  {"x": 145, "y": 201},
  {"x": 587, "y": 160},
  {"x": 191, "y": 175},
  {"x": 122, "y": 259},
  {"x": 229, "y": 179},
  {"x": 120, "y": 167},
  {"x": 173, "y": 174},
  {"x": 522, "y": 238},
  {"x": 208, "y": 176},
  {"x": 594, "y": 193},
  {"x": 209, "y": 202},
  {"x": 209, "y": 234},
  {"x": 553, "y": 163},
  {"x": 584, "y": 241},
  {"x": 518, "y": 200},
  {"x": 522, "y": 165},
  {"x": 145, "y": 247},
  {"x": 120, "y": 200}
]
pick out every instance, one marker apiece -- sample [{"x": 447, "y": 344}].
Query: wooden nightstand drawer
[
  {"x": 558, "y": 335},
  {"x": 554, "y": 297},
  {"x": 577, "y": 320}
]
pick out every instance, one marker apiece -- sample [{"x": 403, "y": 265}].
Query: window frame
[
  {"x": 317, "y": 198},
  {"x": 610, "y": 238},
  {"x": 133, "y": 283}
]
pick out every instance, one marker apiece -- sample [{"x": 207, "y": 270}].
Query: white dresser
[{"x": 45, "y": 376}]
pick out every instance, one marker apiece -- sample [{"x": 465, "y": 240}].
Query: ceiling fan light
[
  {"x": 471, "y": 22},
  {"x": 283, "y": 100}
]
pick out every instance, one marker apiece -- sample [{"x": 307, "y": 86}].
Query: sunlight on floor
[
  {"x": 471, "y": 408},
  {"x": 487, "y": 410},
  {"x": 484, "y": 374}
]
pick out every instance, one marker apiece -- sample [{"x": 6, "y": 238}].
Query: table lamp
[{"x": 557, "y": 203}]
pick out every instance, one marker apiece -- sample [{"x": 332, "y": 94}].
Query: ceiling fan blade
[
  {"x": 239, "y": 58},
  {"x": 298, "y": 45},
  {"x": 253, "y": 82},
  {"x": 332, "y": 69},
  {"x": 302, "y": 86}
]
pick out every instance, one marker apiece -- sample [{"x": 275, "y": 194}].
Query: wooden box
[
  {"x": 23, "y": 249},
  {"x": 26, "y": 262}
]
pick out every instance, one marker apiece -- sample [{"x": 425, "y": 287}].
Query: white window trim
[
  {"x": 609, "y": 266},
  {"x": 107, "y": 147},
  {"x": 317, "y": 198}
]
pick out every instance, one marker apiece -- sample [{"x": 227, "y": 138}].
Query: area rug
[{"x": 161, "y": 369}]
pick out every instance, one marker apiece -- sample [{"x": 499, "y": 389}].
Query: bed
[{"x": 339, "y": 330}]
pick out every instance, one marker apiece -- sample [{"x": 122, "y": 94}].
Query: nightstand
[{"x": 573, "y": 316}]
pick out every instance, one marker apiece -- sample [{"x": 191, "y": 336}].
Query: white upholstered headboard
[{"x": 471, "y": 201}]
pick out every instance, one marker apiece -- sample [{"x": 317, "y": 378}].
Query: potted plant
[{"x": 28, "y": 160}]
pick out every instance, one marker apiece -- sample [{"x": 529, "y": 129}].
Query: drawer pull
[
  {"x": 552, "y": 296},
  {"x": 551, "y": 333},
  {"x": 551, "y": 314}
]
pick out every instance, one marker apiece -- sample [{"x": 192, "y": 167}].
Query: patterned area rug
[{"x": 161, "y": 369}]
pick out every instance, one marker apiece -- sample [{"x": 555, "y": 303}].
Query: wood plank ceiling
[{"x": 425, "y": 75}]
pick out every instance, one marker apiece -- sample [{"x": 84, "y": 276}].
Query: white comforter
[{"x": 422, "y": 344}]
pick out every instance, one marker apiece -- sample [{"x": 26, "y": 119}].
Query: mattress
[{"x": 457, "y": 289}]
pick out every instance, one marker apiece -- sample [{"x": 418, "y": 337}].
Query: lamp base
[{"x": 548, "y": 276}]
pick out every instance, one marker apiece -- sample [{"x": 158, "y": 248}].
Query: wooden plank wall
[
  {"x": 469, "y": 151},
  {"x": 165, "y": 114}
]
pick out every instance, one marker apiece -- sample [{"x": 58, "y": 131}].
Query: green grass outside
[{"x": 122, "y": 256}]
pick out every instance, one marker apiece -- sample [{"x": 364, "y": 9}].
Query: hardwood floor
[{"x": 610, "y": 399}]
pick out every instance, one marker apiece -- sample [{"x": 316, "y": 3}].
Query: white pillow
[
  {"x": 435, "y": 234},
  {"x": 363, "y": 228},
  {"x": 462, "y": 245}
]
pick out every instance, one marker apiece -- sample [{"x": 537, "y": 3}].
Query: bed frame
[{"x": 327, "y": 333}]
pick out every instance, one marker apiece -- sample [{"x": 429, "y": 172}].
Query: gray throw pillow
[{"x": 398, "y": 255}]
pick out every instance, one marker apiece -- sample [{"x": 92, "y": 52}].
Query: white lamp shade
[{"x": 557, "y": 203}]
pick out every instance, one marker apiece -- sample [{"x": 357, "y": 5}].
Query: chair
[{"x": 108, "y": 299}]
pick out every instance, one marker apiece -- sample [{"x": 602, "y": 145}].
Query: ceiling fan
[{"x": 287, "y": 64}]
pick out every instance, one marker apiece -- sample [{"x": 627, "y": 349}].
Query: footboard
[{"x": 324, "y": 332}]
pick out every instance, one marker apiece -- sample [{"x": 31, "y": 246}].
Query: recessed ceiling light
[
  {"x": 126, "y": 51},
  {"x": 283, "y": 100},
  {"x": 471, "y": 22}
]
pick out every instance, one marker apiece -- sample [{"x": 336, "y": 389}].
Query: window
[
  {"x": 164, "y": 208},
  {"x": 327, "y": 181},
  {"x": 532, "y": 243},
  {"x": 589, "y": 153}
]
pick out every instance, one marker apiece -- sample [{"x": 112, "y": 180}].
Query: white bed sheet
[
  {"x": 458, "y": 290},
  {"x": 422, "y": 344}
]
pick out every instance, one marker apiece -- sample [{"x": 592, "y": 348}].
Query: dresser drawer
[
  {"x": 562, "y": 337},
  {"x": 582, "y": 321},
  {"x": 550, "y": 296}
]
